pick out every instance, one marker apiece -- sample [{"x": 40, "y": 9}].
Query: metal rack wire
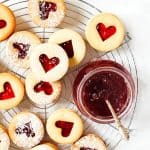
[{"x": 78, "y": 14}]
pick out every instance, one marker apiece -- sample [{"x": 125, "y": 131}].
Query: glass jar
[{"x": 99, "y": 81}]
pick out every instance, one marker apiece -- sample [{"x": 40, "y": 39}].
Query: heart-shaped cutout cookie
[
  {"x": 65, "y": 126},
  {"x": 67, "y": 46},
  {"x": 44, "y": 86},
  {"x": 2, "y": 24},
  {"x": 47, "y": 63},
  {"x": 105, "y": 32},
  {"x": 7, "y": 93}
]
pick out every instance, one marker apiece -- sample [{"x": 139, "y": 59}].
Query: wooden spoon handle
[{"x": 123, "y": 131}]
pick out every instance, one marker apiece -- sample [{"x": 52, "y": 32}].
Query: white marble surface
[{"x": 136, "y": 17}]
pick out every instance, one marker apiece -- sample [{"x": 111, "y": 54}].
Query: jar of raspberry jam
[{"x": 99, "y": 81}]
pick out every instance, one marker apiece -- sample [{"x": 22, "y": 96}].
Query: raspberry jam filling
[
  {"x": 7, "y": 93},
  {"x": 44, "y": 86},
  {"x": 105, "y": 85},
  {"x": 105, "y": 32},
  {"x": 86, "y": 148},
  {"x": 67, "y": 46},
  {"x": 3, "y": 24},
  {"x": 65, "y": 126},
  {"x": 22, "y": 49},
  {"x": 47, "y": 63},
  {"x": 26, "y": 129},
  {"x": 46, "y": 8}
]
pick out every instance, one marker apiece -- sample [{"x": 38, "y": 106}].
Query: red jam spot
[
  {"x": 67, "y": 46},
  {"x": 3, "y": 24},
  {"x": 47, "y": 63},
  {"x": 86, "y": 148},
  {"x": 65, "y": 126},
  {"x": 105, "y": 85},
  {"x": 43, "y": 86},
  {"x": 22, "y": 49},
  {"x": 104, "y": 32},
  {"x": 7, "y": 93},
  {"x": 46, "y": 8}
]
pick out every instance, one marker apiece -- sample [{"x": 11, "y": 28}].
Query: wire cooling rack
[{"x": 77, "y": 16}]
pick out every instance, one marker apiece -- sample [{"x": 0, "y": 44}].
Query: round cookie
[
  {"x": 105, "y": 32},
  {"x": 89, "y": 142},
  {"x": 47, "y": 13},
  {"x": 26, "y": 130},
  {"x": 72, "y": 43},
  {"x": 11, "y": 91},
  {"x": 41, "y": 92},
  {"x": 7, "y": 22},
  {"x": 64, "y": 126},
  {"x": 4, "y": 139},
  {"x": 19, "y": 47},
  {"x": 49, "y": 62},
  {"x": 46, "y": 146}
]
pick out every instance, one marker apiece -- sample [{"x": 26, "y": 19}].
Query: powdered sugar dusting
[
  {"x": 22, "y": 140},
  {"x": 4, "y": 141}
]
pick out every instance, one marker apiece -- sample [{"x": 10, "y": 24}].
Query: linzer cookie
[
  {"x": 46, "y": 146},
  {"x": 64, "y": 126},
  {"x": 47, "y": 13},
  {"x": 26, "y": 130},
  {"x": 11, "y": 91},
  {"x": 4, "y": 139},
  {"x": 105, "y": 32},
  {"x": 41, "y": 92},
  {"x": 7, "y": 22},
  {"x": 49, "y": 62},
  {"x": 19, "y": 47},
  {"x": 72, "y": 43},
  {"x": 89, "y": 142}
]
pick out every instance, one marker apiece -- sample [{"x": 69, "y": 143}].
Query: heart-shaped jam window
[
  {"x": 105, "y": 32},
  {"x": 22, "y": 49},
  {"x": 65, "y": 126},
  {"x": 2, "y": 24},
  {"x": 67, "y": 46},
  {"x": 46, "y": 8},
  {"x": 86, "y": 148},
  {"x": 44, "y": 86},
  {"x": 7, "y": 93},
  {"x": 47, "y": 63}
]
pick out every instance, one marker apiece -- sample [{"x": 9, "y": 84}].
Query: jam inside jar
[{"x": 100, "y": 81}]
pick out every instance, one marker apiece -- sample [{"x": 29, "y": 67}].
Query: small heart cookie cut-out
[
  {"x": 44, "y": 86},
  {"x": 7, "y": 93},
  {"x": 65, "y": 126},
  {"x": 2, "y": 24},
  {"x": 105, "y": 32},
  {"x": 47, "y": 63}
]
